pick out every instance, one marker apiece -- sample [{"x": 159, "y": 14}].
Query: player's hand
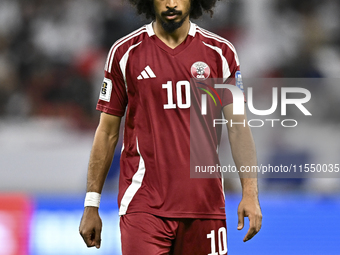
[
  {"x": 91, "y": 227},
  {"x": 249, "y": 207}
]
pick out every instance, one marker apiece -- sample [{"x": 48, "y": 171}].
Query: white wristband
[{"x": 92, "y": 199}]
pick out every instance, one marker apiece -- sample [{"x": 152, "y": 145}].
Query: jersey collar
[
  {"x": 192, "y": 29},
  {"x": 151, "y": 32}
]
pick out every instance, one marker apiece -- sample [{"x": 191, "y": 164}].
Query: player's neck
[{"x": 174, "y": 39}]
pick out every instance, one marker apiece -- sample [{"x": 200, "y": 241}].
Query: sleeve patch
[
  {"x": 239, "y": 82},
  {"x": 106, "y": 89}
]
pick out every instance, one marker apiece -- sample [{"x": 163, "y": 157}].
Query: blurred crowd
[
  {"x": 52, "y": 55},
  {"x": 52, "y": 52}
]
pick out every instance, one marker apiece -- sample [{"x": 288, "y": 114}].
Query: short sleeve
[
  {"x": 234, "y": 78},
  {"x": 113, "y": 92}
]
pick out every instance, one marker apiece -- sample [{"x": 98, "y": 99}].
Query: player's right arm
[{"x": 104, "y": 144}]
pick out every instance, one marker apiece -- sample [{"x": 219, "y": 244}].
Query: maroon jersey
[{"x": 152, "y": 80}]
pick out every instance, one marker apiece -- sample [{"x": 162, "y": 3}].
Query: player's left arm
[{"x": 244, "y": 154}]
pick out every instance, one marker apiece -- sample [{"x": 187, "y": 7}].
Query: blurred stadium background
[{"x": 52, "y": 55}]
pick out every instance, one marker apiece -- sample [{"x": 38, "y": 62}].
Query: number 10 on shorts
[{"x": 222, "y": 241}]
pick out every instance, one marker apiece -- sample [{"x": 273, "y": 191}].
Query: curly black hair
[{"x": 197, "y": 7}]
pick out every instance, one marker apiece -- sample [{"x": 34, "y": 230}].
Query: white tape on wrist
[{"x": 92, "y": 199}]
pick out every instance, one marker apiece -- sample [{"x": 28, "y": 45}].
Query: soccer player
[{"x": 162, "y": 210}]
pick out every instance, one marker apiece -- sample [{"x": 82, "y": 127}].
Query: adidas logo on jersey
[{"x": 146, "y": 74}]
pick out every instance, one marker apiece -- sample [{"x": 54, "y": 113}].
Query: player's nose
[{"x": 171, "y": 3}]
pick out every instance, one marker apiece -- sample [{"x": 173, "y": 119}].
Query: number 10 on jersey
[
  {"x": 181, "y": 87},
  {"x": 222, "y": 241}
]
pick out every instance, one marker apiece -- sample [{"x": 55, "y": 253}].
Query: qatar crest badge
[{"x": 200, "y": 70}]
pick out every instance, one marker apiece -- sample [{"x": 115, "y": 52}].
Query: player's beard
[{"x": 171, "y": 25}]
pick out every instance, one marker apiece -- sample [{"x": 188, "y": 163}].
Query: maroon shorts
[{"x": 147, "y": 234}]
